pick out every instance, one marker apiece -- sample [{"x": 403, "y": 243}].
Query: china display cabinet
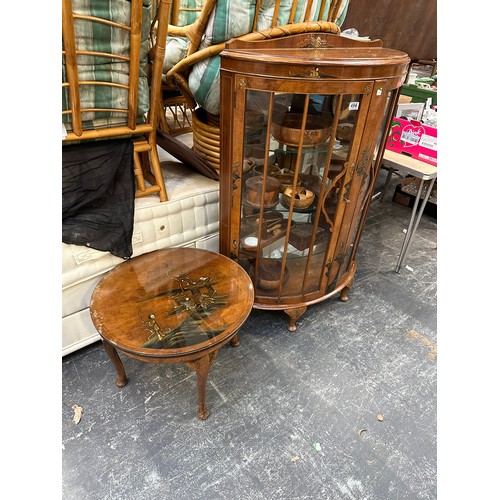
[{"x": 303, "y": 120}]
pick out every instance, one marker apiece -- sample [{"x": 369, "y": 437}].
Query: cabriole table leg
[
  {"x": 235, "y": 341},
  {"x": 117, "y": 362},
  {"x": 201, "y": 367}
]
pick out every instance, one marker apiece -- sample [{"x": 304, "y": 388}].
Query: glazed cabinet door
[
  {"x": 298, "y": 184},
  {"x": 359, "y": 189}
]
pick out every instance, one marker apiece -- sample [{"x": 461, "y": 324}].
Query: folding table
[{"x": 427, "y": 174}]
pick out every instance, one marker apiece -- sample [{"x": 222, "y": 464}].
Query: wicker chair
[
  {"x": 207, "y": 36},
  {"x": 111, "y": 88},
  {"x": 175, "y": 113}
]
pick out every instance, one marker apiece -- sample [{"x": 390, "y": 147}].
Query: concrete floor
[{"x": 344, "y": 408}]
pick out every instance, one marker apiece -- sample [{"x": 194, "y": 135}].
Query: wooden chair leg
[
  {"x": 157, "y": 171},
  {"x": 147, "y": 167},
  {"x": 162, "y": 117},
  {"x": 139, "y": 174}
]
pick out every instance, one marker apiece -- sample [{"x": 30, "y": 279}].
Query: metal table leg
[
  {"x": 387, "y": 182},
  {"x": 412, "y": 227}
]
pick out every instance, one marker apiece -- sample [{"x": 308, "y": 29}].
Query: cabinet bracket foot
[{"x": 294, "y": 314}]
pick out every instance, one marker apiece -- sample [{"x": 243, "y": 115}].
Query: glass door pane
[{"x": 295, "y": 152}]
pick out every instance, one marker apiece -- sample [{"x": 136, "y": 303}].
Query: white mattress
[{"x": 189, "y": 218}]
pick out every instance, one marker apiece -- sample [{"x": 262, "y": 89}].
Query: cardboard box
[
  {"x": 413, "y": 139},
  {"x": 408, "y": 200}
]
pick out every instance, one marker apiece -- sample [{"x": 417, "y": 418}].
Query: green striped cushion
[
  {"x": 177, "y": 47},
  {"x": 93, "y": 36},
  {"x": 267, "y": 9},
  {"x": 232, "y": 18},
  {"x": 189, "y": 17},
  {"x": 175, "y": 50}
]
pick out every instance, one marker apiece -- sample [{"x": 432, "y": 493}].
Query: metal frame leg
[
  {"x": 412, "y": 227},
  {"x": 387, "y": 182}
]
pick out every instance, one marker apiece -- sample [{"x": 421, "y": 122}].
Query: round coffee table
[{"x": 172, "y": 305}]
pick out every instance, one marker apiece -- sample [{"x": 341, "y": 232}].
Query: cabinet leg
[
  {"x": 294, "y": 314},
  {"x": 117, "y": 362},
  {"x": 345, "y": 291},
  {"x": 201, "y": 367}
]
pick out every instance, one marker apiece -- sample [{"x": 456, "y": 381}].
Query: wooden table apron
[{"x": 172, "y": 305}]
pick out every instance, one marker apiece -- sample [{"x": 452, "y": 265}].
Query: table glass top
[{"x": 172, "y": 302}]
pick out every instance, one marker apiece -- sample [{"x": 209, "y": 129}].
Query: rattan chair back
[{"x": 124, "y": 119}]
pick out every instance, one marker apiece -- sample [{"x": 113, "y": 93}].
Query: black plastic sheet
[{"x": 98, "y": 194}]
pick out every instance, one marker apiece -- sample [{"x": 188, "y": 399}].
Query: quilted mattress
[{"x": 189, "y": 219}]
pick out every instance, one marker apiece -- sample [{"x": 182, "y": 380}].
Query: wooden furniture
[
  {"x": 329, "y": 100},
  {"x": 427, "y": 174},
  {"x": 106, "y": 92},
  {"x": 169, "y": 306},
  {"x": 196, "y": 74},
  {"x": 175, "y": 112},
  {"x": 276, "y": 20}
]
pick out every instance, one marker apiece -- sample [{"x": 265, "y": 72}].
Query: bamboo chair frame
[
  {"x": 206, "y": 136},
  {"x": 179, "y": 74},
  {"x": 146, "y": 161},
  {"x": 174, "y": 110},
  {"x": 177, "y": 9}
]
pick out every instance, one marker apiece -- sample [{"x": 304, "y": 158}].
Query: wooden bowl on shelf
[
  {"x": 250, "y": 243},
  {"x": 250, "y": 222},
  {"x": 272, "y": 170},
  {"x": 269, "y": 274},
  {"x": 303, "y": 197},
  {"x": 286, "y": 180},
  {"x": 248, "y": 164},
  {"x": 344, "y": 132},
  {"x": 311, "y": 182},
  {"x": 286, "y": 129},
  {"x": 255, "y": 186},
  {"x": 269, "y": 234}
]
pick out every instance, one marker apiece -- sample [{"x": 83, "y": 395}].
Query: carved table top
[{"x": 178, "y": 303}]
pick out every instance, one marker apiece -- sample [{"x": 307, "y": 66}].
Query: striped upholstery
[
  {"x": 233, "y": 18},
  {"x": 186, "y": 15},
  {"x": 177, "y": 47},
  {"x": 92, "y": 36}
]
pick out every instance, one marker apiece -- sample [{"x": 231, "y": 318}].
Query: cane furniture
[
  {"x": 175, "y": 111},
  {"x": 110, "y": 86},
  {"x": 195, "y": 69}
]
